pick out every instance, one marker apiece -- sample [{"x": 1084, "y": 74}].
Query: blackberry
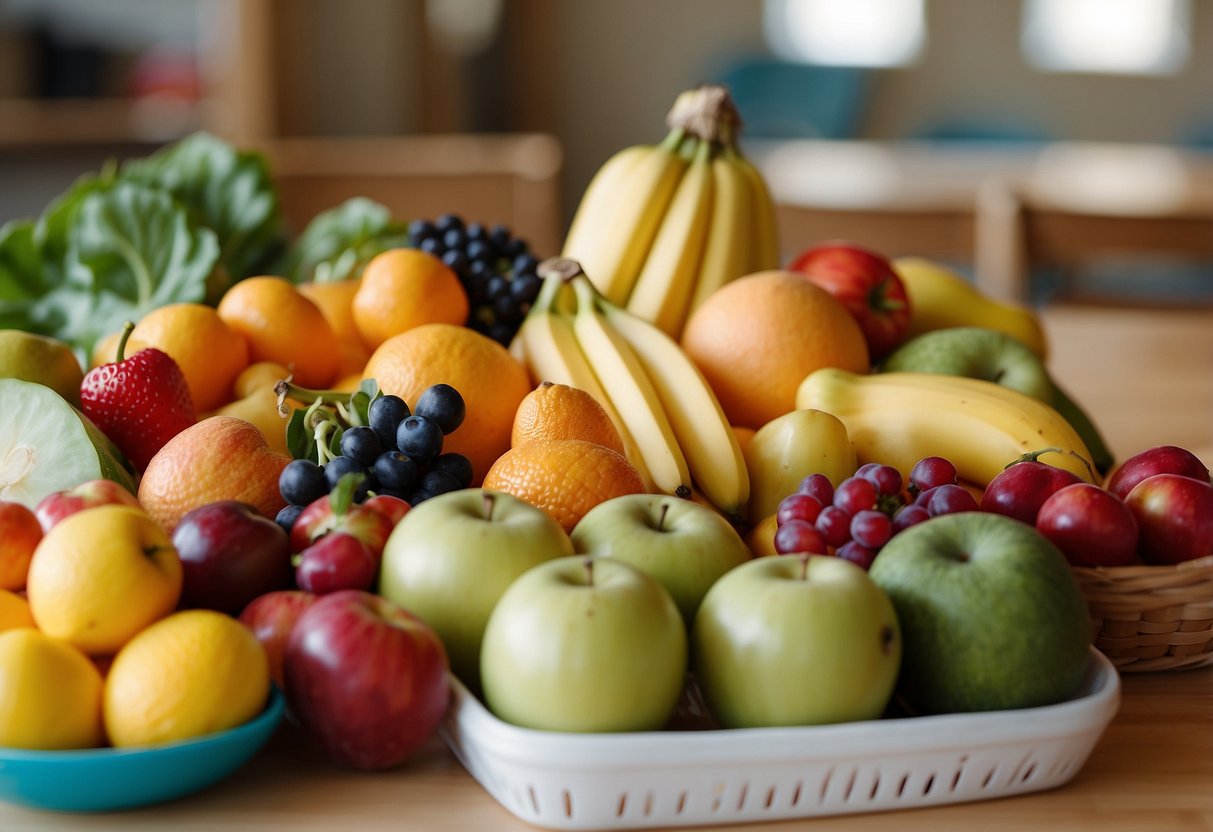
[{"x": 498, "y": 270}]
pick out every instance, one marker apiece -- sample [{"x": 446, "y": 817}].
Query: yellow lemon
[
  {"x": 192, "y": 673},
  {"x": 102, "y": 575},
  {"x": 50, "y": 693}
]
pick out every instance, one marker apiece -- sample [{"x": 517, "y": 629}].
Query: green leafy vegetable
[{"x": 339, "y": 242}]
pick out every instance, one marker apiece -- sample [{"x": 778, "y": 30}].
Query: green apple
[
  {"x": 796, "y": 640},
  {"x": 684, "y": 545},
  {"x": 451, "y": 557},
  {"x": 584, "y": 644},
  {"x": 990, "y": 355},
  {"x": 991, "y": 614}
]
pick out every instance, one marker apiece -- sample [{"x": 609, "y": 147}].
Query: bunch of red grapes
[{"x": 854, "y": 520}]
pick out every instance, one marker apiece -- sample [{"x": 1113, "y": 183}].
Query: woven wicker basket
[{"x": 1150, "y": 618}]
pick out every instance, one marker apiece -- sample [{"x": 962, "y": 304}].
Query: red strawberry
[{"x": 140, "y": 402}]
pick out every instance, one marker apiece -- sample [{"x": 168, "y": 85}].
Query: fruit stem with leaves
[{"x": 315, "y": 432}]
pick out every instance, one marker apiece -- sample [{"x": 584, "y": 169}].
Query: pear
[
  {"x": 790, "y": 447},
  {"x": 983, "y": 353},
  {"x": 42, "y": 360}
]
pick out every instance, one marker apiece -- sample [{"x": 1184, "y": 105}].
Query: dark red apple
[
  {"x": 54, "y": 507},
  {"x": 271, "y": 617},
  {"x": 1020, "y": 489},
  {"x": 1175, "y": 517},
  {"x": 230, "y": 553},
  {"x": 867, "y": 285},
  {"x": 1163, "y": 459},
  {"x": 20, "y": 533},
  {"x": 367, "y": 678},
  {"x": 337, "y": 561},
  {"x": 1091, "y": 526},
  {"x": 326, "y": 515},
  {"x": 393, "y": 507}
]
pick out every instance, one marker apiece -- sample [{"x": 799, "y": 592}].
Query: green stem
[{"x": 127, "y": 329}]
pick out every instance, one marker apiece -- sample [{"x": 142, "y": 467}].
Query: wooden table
[{"x": 1148, "y": 377}]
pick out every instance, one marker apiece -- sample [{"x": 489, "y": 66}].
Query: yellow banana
[
  {"x": 551, "y": 351},
  {"x": 611, "y": 236},
  {"x": 765, "y": 253},
  {"x": 787, "y": 449},
  {"x": 979, "y": 426},
  {"x": 731, "y": 236},
  {"x": 704, "y": 435},
  {"x": 940, "y": 298},
  {"x": 663, "y": 289},
  {"x": 628, "y": 388}
]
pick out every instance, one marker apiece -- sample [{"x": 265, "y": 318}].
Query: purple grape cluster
[{"x": 861, "y": 515}]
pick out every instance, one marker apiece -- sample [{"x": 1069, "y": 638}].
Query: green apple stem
[
  {"x": 488, "y": 505},
  {"x": 1035, "y": 456},
  {"x": 120, "y": 353},
  {"x": 588, "y": 563},
  {"x": 804, "y": 566},
  {"x": 665, "y": 509}
]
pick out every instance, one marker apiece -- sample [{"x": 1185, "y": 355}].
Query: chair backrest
[
  {"x": 782, "y": 100},
  {"x": 510, "y": 179}
]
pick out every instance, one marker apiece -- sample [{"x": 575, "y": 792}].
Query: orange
[
  {"x": 744, "y": 436},
  {"x": 336, "y": 302},
  {"x": 490, "y": 380},
  {"x": 404, "y": 288},
  {"x": 756, "y": 338},
  {"x": 209, "y": 353},
  {"x": 14, "y": 611},
  {"x": 219, "y": 458},
  {"x": 280, "y": 324},
  {"x": 191, "y": 674},
  {"x": 564, "y": 477},
  {"x": 50, "y": 694},
  {"x": 102, "y": 575},
  {"x": 558, "y": 411},
  {"x": 761, "y": 538}
]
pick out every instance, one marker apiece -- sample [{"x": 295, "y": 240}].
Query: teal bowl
[{"x": 109, "y": 779}]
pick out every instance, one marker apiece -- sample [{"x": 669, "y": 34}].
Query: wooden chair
[{"x": 510, "y": 179}]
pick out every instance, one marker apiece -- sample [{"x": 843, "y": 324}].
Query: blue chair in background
[{"x": 784, "y": 100}]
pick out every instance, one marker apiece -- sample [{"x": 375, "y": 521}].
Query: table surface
[{"x": 1147, "y": 377}]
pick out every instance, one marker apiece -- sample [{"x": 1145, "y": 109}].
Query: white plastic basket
[{"x": 696, "y": 778}]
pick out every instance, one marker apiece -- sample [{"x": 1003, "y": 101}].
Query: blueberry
[
  {"x": 448, "y": 222},
  {"x": 396, "y": 471},
  {"x": 420, "y": 230},
  {"x": 454, "y": 239},
  {"x": 455, "y": 464},
  {"x": 479, "y": 251},
  {"x": 385, "y": 415},
  {"x": 500, "y": 238},
  {"x": 432, "y": 245},
  {"x": 455, "y": 259},
  {"x": 362, "y": 443},
  {"x": 477, "y": 231},
  {"x": 524, "y": 263},
  {"x": 339, "y": 467},
  {"x": 287, "y": 515},
  {"x": 439, "y": 482},
  {"x": 442, "y": 404},
  {"x": 301, "y": 482},
  {"x": 420, "y": 438},
  {"x": 526, "y": 288},
  {"x": 418, "y": 496},
  {"x": 501, "y": 332}
]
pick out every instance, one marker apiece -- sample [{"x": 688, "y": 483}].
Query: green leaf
[
  {"x": 133, "y": 249},
  {"x": 338, "y": 243},
  {"x": 226, "y": 190},
  {"x": 300, "y": 440}
]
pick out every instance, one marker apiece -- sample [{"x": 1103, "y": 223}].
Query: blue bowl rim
[{"x": 270, "y": 716}]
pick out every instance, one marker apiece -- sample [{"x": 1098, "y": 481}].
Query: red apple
[
  {"x": 394, "y": 507},
  {"x": 337, "y": 561},
  {"x": 325, "y": 515},
  {"x": 271, "y": 617},
  {"x": 20, "y": 532},
  {"x": 54, "y": 507},
  {"x": 867, "y": 285},
  {"x": 1091, "y": 526},
  {"x": 1163, "y": 459},
  {"x": 230, "y": 553},
  {"x": 366, "y": 677},
  {"x": 1020, "y": 489},
  {"x": 1175, "y": 517}
]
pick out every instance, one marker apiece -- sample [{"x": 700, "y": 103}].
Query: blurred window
[
  {"x": 1138, "y": 37},
  {"x": 873, "y": 33}
]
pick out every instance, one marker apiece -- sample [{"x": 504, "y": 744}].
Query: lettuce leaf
[{"x": 338, "y": 243}]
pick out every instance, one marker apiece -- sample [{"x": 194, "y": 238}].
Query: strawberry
[{"x": 140, "y": 402}]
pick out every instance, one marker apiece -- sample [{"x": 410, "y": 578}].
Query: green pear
[
  {"x": 42, "y": 360},
  {"x": 978, "y": 352}
]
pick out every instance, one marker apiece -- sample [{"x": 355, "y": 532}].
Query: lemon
[
  {"x": 190, "y": 674},
  {"x": 50, "y": 693},
  {"x": 14, "y": 611},
  {"x": 102, "y": 575}
]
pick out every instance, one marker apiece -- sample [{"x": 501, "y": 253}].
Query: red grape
[
  {"x": 886, "y": 478},
  {"x": 797, "y": 507},
  {"x": 799, "y": 536},
  {"x": 819, "y": 486},
  {"x": 932, "y": 471},
  {"x": 834, "y": 525},
  {"x": 856, "y": 553},
  {"x": 909, "y": 516},
  {"x": 950, "y": 499},
  {"x": 854, "y": 494},
  {"x": 871, "y": 528}
]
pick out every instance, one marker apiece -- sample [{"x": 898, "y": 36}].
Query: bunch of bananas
[
  {"x": 661, "y": 227},
  {"x": 673, "y": 429},
  {"x": 979, "y": 426}
]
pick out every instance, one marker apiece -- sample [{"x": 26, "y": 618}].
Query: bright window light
[
  {"x": 845, "y": 32},
  {"x": 1138, "y": 37}
]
